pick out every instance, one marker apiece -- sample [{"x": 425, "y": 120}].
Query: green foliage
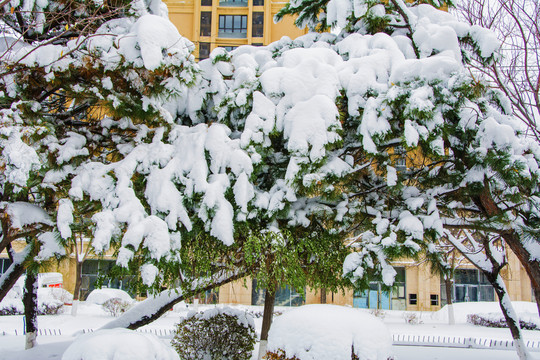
[{"x": 217, "y": 334}]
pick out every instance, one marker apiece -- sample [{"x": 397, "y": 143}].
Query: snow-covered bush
[
  {"x": 9, "y": 309},
  {"x": 58, "y": 294},
  {"x": 100, "y": 296},
  {"x": 411, "y": 318},
  {"x": 50, "y": 307},
  {"x": 49, "y": 302},
  {"x": 328, "y": 332},
  {"x": 116, "y": 306},
  {"x": 259, "y": 314},
  {"x": 498, "y": 321},
  {"x": 380, "y": 313},
  {"x": 119, "y": 344},
  {"x": 219, "y": 333}
]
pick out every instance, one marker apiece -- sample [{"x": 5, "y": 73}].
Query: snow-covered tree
[
  {"x": 517, "y": 71},
  {"x": 439, "y": 149},
  {"x": 201, "y": 173}
]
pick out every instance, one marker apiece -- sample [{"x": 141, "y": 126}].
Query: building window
[
  {"x": 413, "y": 300},
  {"x": 229, "y": 48},
  {"x": 285, "y": 296},
  {"x": 237, "y": 3},
  {"x": 258, "y": 24},
  {"x": 4, "y": 265},
  {"x": 258, "y": 2},
  {"x": 94, "y": 272},
  {"x": 257, "y": 44},
  {"x": 400, "y": 158},
  {"x": 472, "y": 285},
  {"x": 233, "y": 26},
  {"x": 399, "y": 283},
  {"x": 206, "y": 2},
  {"x": 206, "y": 23},
  {"x": 379, "y": 296},
  {"x": 434, "y": 298},
  {"x": 204, "y": 50}
]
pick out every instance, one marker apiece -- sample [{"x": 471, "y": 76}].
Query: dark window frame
[
  {"x": 233, "y": 24},
  {"x": 206, "y": 23},
  {"x": 204, "y": 50},
  {"x": 257, "y": 24}
]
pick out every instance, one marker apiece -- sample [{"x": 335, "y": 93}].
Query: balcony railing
[
  {"x": 231, "y": 3},
  {"x": 232, "y": 35}
]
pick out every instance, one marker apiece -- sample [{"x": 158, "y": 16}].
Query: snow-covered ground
[{"x": 92, "y": 316}]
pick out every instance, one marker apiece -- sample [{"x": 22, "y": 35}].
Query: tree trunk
[
  {"x": 30, "y": 308},
  {"x": 511, "y": 318},
  {"x": 269, "y": 300},
  {"x": 532, "y": 267},
  {"x": 323, "y": 296},
  {"x": 77, "y": 290},
  {"x": 10, "y": 277},
  {"x": 152, "y": 309},
  {"x": 530, "y": 263},
  {"x": 15, "y": 270},
  {"x": 449, "y": 301}
]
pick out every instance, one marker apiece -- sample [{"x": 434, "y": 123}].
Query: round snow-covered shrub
[
  {"x": 50, "y": 307},
  {"x": 10, "y": 309},
  {"x": 116, "y": 306},
  {"x": 496, "y": 320},
  {"x": 320, "y": 332},
  {"x": 114, "y": 344},
  {"x": 99, "y": 296},
  {"x": 48, "y": 303},
  {"x": 215, "y": 334}
]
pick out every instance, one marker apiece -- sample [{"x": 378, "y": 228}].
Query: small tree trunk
[
  {"x": 511, "y": 318},
  {"x": 269, "y": 299},
  {"x": 15, "y": 270},
  {"x": 77, "y": 290},
  {"x": 30, "y": 309},
  {"x": 449, "y": 301},
  {"x": 323, "y": 296}
]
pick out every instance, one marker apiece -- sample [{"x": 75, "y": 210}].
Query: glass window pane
[
  {"x": 460, "y": 293},
  {"x": 487, "y": 293}
]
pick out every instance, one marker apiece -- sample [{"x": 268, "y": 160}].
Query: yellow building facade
[
  {"x": 230, "y": 23},
  {"x": 416, "y": 289}
]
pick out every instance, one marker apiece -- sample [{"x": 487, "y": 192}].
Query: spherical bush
[{"x": 216, "y": 334}]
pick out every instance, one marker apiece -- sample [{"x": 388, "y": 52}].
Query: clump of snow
[
  {"x": 22, "y": 214},
  {"x": 243, "y": 318},
  {"x": 114, "y": 344},
  {"x": 99, "y": 296},
  {"x": 329, "y": 332}
]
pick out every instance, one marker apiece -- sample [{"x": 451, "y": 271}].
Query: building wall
[
  {"x": 186, "y": 16},
  {"x": 418, "y": 280},
  {"x": 421, "y": 282}
]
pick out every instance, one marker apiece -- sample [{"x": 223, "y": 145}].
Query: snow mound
[
  {"x": 524, "y": 309},
  {"x": 119, "y": 344},
  {"x": 99, "y": 296},
  {"x": 51, "y": 295},
  {"x": 243, "y": 318},
  {"x": 316, "y": 332}
]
